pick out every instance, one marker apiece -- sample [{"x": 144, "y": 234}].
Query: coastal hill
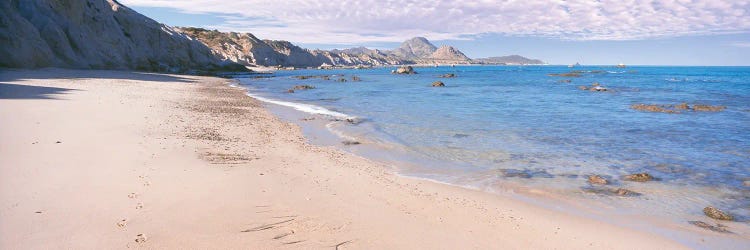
[
  {"x": 415, "y": 48},
  {"x": 248, "y": 50},
  {"x": 96, "y": 34},
  {"x": 104, "y": 34},
  {"x": 512, "y": 60}
]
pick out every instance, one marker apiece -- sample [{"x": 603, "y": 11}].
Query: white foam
[{"x": 307, "y": 108}]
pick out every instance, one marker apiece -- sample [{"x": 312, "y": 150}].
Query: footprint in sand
[
  {"x": 139, "y": 206},
  {"x": 140, "y": 238},
  {"x": 132, "y": 195},
  {"x": 122, "y": 223}
]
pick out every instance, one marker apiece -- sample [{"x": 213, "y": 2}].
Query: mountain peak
[
  {"x": 446, "y": 52},
  {"x": 417, "y": 47}
]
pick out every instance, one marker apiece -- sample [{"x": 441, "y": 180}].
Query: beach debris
[
  {"x": 594, "y": 87},
  {"x": 718, "y": 228},
  {"x": 356, "y": 79},
  {"x": 140, "y": 238},
  {"x": 717, "y": 214},
  {"x": 350, "y": 142},
  {"x": 438, "y": 84},
  {"x": 38, "y": 212},
  {"x": 676, "y": 108},
  {"x": 405, "y": 70},
  {"x": 58, "y": 142},
  {"x": 639, "y": 177},
  {"x": 449, "y": 75},
  {"x": 596, "y": 179}
]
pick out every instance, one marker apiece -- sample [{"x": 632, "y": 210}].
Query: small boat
[{"x": 621, "y": 65}]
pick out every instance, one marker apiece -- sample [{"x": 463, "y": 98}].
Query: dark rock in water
[
  {"x": 625, "y": 192},
  {"x": 718, "y": 228},
  {"x": 515, "y": 173},
  {"x": 717, "y": 214},
  {"x": 639, "y": 177},
  {"x": 449, "y": 75},
  {"x": 708, "y": 108},
  {"x": 571, "y": 74},
  {"x": 356, "y": 79},
  {"x": 594, "y": 87},
  {"x": 611, "y": 191},
  {"x": 438, "y": 84},
  {"x": 677, "y": 108},
  {"x": 405, "y": 70},
  {"x": 341, "y": 80},
  {"x": 301, "y": 87},
  {"x": 595, "y": 179},
  {"x": 460, "y": 135},
  {"x": 565, "y": 81},
  {"x": 350, "y": 143}
]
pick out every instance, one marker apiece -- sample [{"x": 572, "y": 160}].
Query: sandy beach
[{"x": 113, "y": 159}]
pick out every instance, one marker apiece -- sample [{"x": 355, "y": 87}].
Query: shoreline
[
  {"x": 210, "y": 167},
  {"x": 641, "y": 214}
]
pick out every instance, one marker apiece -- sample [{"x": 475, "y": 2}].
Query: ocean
[{"x": 500, "y": 128}]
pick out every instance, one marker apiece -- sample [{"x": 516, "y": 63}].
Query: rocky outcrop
[
  {"x": 676, "y": 108},
  {"x": 404, "y": 70},
  {"x": 596, "y": 179},
  {"x": 96, "y": 34},
  {"x": 715, "y": 213},
  {"x": 639, "y": 177},
  {"x": 438, "y": 84}
]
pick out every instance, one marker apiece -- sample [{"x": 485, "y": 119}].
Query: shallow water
[{"x": 494, "y": 125}]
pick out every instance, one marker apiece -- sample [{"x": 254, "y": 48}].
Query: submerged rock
[
  {"x": 594, "y": 87},
  {"x": 708, "y": 108},
  {"x": 570, "y": 74},
  {"x": 405, "y": 70},
  {"x": 595, "y": 179},
  {"x": 350, "y": 143},
  {"x": 438, "y": 84},
  {"x": 299, "y": 87},
  {"x": 449, "y": 75},
  {"x": 639, "y": 177},
  {"x": 356, "y": 79},
  {"x": 625, "y": 192},
  {"x": 676, "y": 108},
  {"x": 717, "y": 214},
  {"x": 565, "y": 81},
  {"x": 718, "y": 228}
]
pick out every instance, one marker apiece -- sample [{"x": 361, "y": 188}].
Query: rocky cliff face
[
  {"x": 248, "y": 50},
  {"x": 96, "y": 34}
]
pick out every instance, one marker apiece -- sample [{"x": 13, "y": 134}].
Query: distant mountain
[
  {"x": 415, "y": 48},
  {"x": 512, "y": 59},
  {"x": 450, "y": 54},
  {"x": 96, "y": 34}
]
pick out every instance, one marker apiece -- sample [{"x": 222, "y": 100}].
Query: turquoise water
[{"x": 492, "y": 124}]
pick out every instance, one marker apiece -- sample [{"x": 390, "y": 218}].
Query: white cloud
[{"x": 357, "y": 21}]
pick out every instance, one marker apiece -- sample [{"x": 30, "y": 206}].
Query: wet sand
[{"x": 112, "y": 159}]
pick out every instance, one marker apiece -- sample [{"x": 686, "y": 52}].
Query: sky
[{"x": 603, "y": 32}]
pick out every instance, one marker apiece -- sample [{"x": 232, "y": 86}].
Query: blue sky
[{"x": 698, "y": 32}]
